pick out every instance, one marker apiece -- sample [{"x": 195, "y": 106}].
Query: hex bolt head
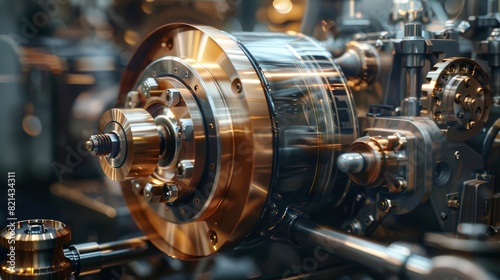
[
  {"x": 154, "y": 193},
  {"x": 170, "y": 192},
  {"x": 132, "y": 99},
  {"x": 399, "y": 184},
  {"x": 185, "y": 169},
  {"x": 186, "y": 128},
  {"x": 384, "y": 204},
  {"x": 148, "y": 85},
  {"x": 172, "y": 97}
]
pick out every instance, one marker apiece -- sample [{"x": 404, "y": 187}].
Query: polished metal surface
[
  {"x": 313, "y": 114},
  {"x": 403, "y": 260},
  {"x": 351, "y": 162},
  {"x": 139, "y": 150},
  {"x": 239, "y": 141},
  {"x": 92, "y": 257},
  {"x": 457, "y": 97},
  {"x": 232, "y": 126},
  {"x": 231, "y": 147},
  {"x": 36, "y": 248}
]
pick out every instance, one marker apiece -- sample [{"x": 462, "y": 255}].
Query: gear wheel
[{"x": 457, "y": 97}]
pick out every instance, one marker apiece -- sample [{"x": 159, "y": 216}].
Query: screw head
[{"x": 384, "y": 204}]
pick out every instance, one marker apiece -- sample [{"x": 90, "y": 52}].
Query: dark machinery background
[{"x": 384, "y": 126}]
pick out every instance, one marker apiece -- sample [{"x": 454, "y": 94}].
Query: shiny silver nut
[
  {"x": 148, "y": 85},
  {"x": 170, "y": 192},
  {"x": 384, "y": 204},
  {"x": 132, "y": 99},
  {"x": 172, "y": 97},
  {"x": 153, "y": 193},
  {"x": 185, "y": 169},
  {"x": 186, "y": 128}
]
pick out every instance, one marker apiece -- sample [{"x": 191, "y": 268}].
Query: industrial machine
[{"x": 374, "y": 150}]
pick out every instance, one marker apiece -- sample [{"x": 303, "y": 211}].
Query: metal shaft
[
  {"x": 400, "y": 259},
  {"x": 89, "y": 258}
]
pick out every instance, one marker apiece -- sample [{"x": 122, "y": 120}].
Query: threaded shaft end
[{"x": 99, "y": 144}]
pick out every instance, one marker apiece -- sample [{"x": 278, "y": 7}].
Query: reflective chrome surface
[
  {"x": 313, "y": 113},
  {"x": 139, "y": 144},
  {"x": 234, "y": 139},
  {"x": 36, "y": 250},
  {"x": 237, "y": 117}
]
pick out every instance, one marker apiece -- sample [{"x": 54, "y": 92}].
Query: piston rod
[
  {"x": 396, "y": 259},
  {"x": 90, "y": 258}
]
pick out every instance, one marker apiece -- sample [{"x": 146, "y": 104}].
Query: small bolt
[
  {"x": 148, "y": 85},
  {"x": 457, "y": 155},
  {"x": 170, "y": 192},
  {"x": 186, "y": 128},
  {"x": 384, "y": 204},
  {"x": 172, "y": 97},
  {"x": 369, "y": 220},
  {"x": 453, "y": 203},
  {"x": 458, "y": 98},
  {"x": 212, "y": 236},
  {"x": 153, "y": 193},
  {"x": 185, "y": 169},
  {"x": 354, "y": 227},
  {"x": 444, "y": 217},
  {"x": 469, "y": 103},
  {"x": 479, "y": 91},
  {"x": 471, "y": 124},
  {"x": 212, "y": 166},
  {"x": 467, "y": 82},
  {"x": 132, "y": 99},
  {"x": 399, "y": 184}
]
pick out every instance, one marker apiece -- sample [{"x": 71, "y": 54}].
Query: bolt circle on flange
[{"x": 457, "y": 97}]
